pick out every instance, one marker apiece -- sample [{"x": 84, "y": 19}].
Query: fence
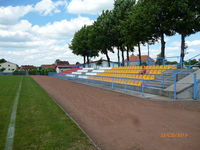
[
  {"x": 196, "y": 87},
  {"x": 107, "y": 82}
]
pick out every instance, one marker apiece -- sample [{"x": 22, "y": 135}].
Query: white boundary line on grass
[{"x": 11, "y": 128}]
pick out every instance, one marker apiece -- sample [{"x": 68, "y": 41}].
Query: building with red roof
[
  {"x": 133, "y": 60},
  {"x": 49, "y": 66},
  {"x": 27, "y": 67}
]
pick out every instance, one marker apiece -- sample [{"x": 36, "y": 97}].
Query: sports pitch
[{"x": 40, "y": 123}]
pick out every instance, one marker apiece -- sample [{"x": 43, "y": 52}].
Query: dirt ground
[{"x": 120, "y": 122}]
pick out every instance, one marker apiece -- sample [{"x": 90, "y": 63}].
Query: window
[{"x": 8, "y": 65}]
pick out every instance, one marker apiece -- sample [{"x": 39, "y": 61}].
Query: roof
[
  {"x": 66, "y": 66},
  {"x": 49, "y": 66},
  {"x": 8, "y": 62},
  {"x": 104, "y": 60},
  {"x": 58, "y": 63},
  {"x": 136, "y": 58},
  {"x": 26, "y": 67}
]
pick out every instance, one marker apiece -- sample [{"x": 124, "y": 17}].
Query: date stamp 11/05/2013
[{"x": 174, "y": 135}]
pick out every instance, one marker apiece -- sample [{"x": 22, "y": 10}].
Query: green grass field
[{"x": 40, "y": 123}]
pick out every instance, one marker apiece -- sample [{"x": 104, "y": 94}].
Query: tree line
[{"x": 132, "y": 23}]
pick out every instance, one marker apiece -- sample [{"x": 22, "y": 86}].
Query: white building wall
[{"x": 9, "y": 67}]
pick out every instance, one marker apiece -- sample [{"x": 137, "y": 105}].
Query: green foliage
[
  {"x": 171, "y": 62},
  {"x": 45, "y": 71},
  {"x": 83, "y": 42},
  {"x": 2, "y": 69},
  {"x": 130, "y": 24},
  {"x": 99, "y": 62},
  {"x": 18, "y": 72},
  {"x": 2, "y": 60},
  {"x": 32, "y": 71},
  {"x": 144, "y": 63},
  {"x": 193, "y": 62}
]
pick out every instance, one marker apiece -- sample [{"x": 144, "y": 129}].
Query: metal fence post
[
  {"x": 195, "y": 87},
  {"x": 189, "y": 66},
  {"x": 175, "y": 86},
  {"x": 125, "y": 84},
  {"x": 112, "y": 82},
  {"x": 143, "y": 87},
  {"x": 176, "y": 68},
  {"x": 181, "y": 62},
  {"x": 163, "y": 80},
  {"x": 163, "y": 61}
]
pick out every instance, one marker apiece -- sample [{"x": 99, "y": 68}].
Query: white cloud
[
  {"x": 24, "y": 43},
  {"x": 46, "y": 7},
  {"x": 172, "y": 48},
  {"x": 193, "y": 43},
  {"x": 191, "y": 50},
  {"x": 177, "y": 44},
  {"x": 89, "y": 6},
  {"x": 63, "y": 28},
  {"x": 10, "y": 14}
]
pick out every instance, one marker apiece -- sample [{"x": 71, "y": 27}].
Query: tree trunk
[
  {"x": 139, "y": 51},
  {"x": 127, "y": 55},
  {"x": 182, "y": 47},
  {"x": 162, "y": 47},
  {"x": 108, "y": 58},
  {"x": 84, "y": 59},
  {"x": 88, "y": 61},
  {"x": 118, "y": 56},
  {"x": 122, "y": 56}
]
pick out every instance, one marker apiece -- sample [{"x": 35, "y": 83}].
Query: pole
[
  {"x": 148, "y": 53},
  {"x": 189, "y": 66},
  {"x": 143, "y": 87},
  {"x": 163, "y": 80},
  {"x": 112, "y": 82},
  {"x": 175, "y": 86},
  {"x": 195, "y": 87}
]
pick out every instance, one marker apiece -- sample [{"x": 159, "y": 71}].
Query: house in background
[
  {"x": 27, "y": 67},
  {"x": 49, "y": 66},
  {"x": 61, "y": 63},
  {"x": 104, "y": 63},
  {"x": 62, "y": 68},
  {"x": 134, "y": 60},
  {"x": 8, "y": 66}
]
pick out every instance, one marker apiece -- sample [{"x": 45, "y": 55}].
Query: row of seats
[
  {"x": 147, "y": 67},
  {"x": 119, "y": 81},
  {"x": 155, "y": 72},
  {"x": 134, "y": 76}
]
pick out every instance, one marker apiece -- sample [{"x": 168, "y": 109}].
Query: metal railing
[{"x": 101, "y": 82}]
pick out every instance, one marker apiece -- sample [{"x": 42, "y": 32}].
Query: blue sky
[{"x": 38, "y": 32}]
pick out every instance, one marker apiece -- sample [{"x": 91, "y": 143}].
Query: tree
[
  {"x": 2, "y": 60},
  {"x": 127, "y": 7},
  {"x": 99, "y": 62},
  {"x": 159, "y": 16},
  {"x": 80, "y": 44},
  {"x": 2, "y": 69},
  {"x": 186, "y": 20},
  {"x": 103, "y": 30},
  {"x": 139, "y": 26}
]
